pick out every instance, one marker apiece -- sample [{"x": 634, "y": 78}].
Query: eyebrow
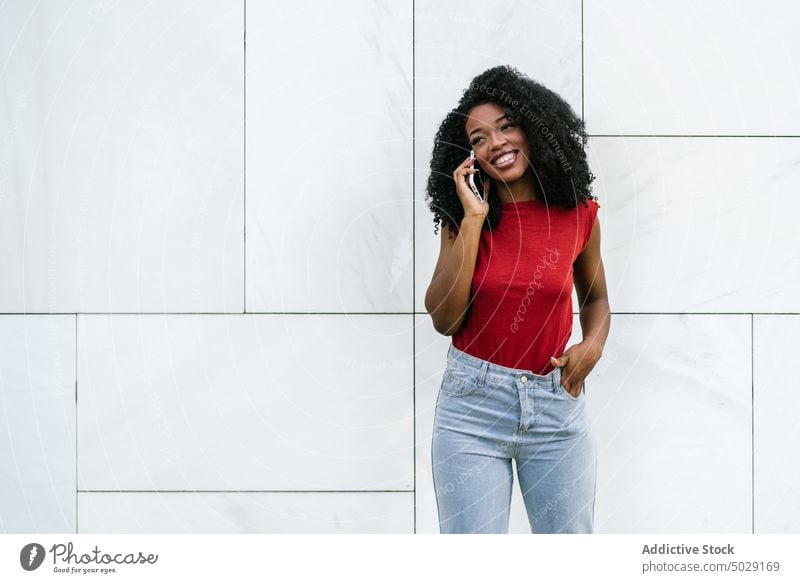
[{"x": 495, "y": 121}]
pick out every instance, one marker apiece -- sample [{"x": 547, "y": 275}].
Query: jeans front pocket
[
  {"x": 565, "y": 391},
  {"x": 570, "y": 397},
  {"x": 458, "y": 383}
]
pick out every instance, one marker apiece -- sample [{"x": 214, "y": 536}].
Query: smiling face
[{"x": 491, "y": 133}]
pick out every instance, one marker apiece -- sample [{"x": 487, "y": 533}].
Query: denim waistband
[{"x": 482, "y": 368}]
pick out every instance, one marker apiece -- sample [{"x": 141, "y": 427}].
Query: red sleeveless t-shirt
[{"x": 520, "y": 310}]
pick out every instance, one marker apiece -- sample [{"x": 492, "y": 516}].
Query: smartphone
[{"x": 476, "y": 188}]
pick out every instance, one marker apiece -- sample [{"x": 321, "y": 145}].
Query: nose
[{"x": 497, "y": 140}]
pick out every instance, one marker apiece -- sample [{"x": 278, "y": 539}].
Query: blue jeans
[{"x": 486, "y": 415}]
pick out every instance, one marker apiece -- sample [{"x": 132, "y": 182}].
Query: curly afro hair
[{"x": 556, "y": 136}]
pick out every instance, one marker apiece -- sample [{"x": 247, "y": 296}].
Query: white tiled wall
[
  {"x": 211, "y": 310},
  {"x": 123, "y": 157}
]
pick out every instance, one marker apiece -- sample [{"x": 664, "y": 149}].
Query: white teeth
[{"x": 505, "y": 158}]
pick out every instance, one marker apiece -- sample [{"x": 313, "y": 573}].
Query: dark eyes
[{"x": 503, "y": 127}]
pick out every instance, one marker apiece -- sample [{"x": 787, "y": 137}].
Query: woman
[{"x": 502, "y": 288}]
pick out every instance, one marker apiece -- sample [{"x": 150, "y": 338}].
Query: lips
[{"x": 505, "y": 153}]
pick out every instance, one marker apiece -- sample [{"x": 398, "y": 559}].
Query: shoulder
[
  {"x": 588, "y": 213},
  {"x": 589, "y": 208}
]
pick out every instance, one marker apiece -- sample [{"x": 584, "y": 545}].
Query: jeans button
[{"x": 524, "y": 379}]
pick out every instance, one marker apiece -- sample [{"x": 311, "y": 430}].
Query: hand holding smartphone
[
  {"x": 472, "y": 192},
  {"x": 479, "y": 188}
]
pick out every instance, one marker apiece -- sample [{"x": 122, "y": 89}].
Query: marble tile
[
  {"x": 776, "y": 424},
  {"x": 693, "y": 224},
  {"x": 687, "y": 67},
  {"x": 431, "y": 361},
  {"x": 329, "y": 155},
  {"x": 670, "y": 402},
  {"x": 245, "y": 402},
  {"x": 246, "y": 512},
  {"x": 457, "y": 40},
  {"x": 37, "y": 408},
  {"x": 121, "y": 187}
]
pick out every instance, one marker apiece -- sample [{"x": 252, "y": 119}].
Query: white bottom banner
[{"x": 392, "y": 557}]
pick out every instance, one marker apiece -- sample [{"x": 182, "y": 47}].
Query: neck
[{"x": 518, "y": 191}]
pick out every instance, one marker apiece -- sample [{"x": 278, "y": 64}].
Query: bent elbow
[{"x": 447, "y": 326}]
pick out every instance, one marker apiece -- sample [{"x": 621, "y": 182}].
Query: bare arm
[
  {"x": 590, "y": 285},
  {"x": 448, "y": 295}
]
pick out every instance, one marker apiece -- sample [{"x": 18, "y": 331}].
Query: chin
[{"x": 510, "y": 176}]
